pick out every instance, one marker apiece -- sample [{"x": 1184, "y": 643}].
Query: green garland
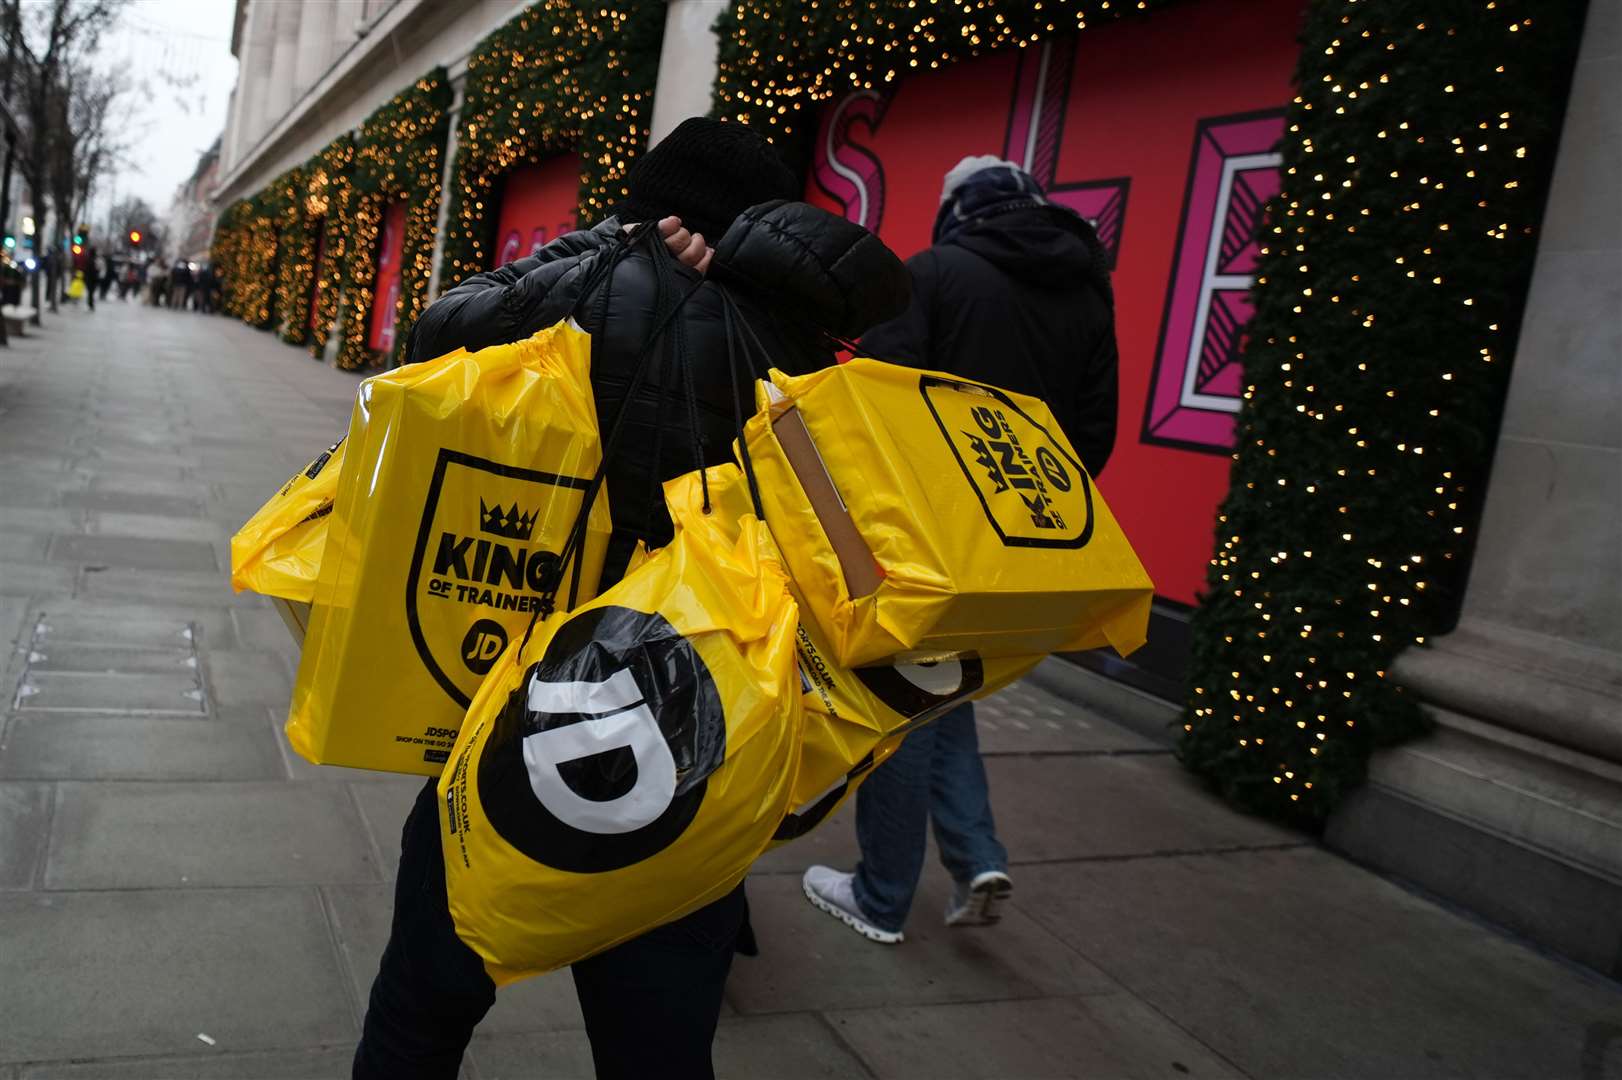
[
  {"x": 562, "y": 77},
  {"x": 1388, "y": 302},
  {"x": 398, "y": 157},
  {"x": 327, "y": 197},
  {"x": 226, "y": 254},
  {"x": 1387, "y": 306},
  {"x": 283, "y": 199},
  {"x": 779, "y": 58},
  {"x": 244, "y": 252}
]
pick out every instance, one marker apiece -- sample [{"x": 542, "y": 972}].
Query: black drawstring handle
[
  {"x": 574, "y": 545},
  {"x": 732, "y": 319}
]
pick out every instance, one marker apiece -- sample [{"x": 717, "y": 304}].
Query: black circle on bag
[
  {"x": 620, "y": 670},
  {"x": 923, "y": 692},
  {"x": 484, "y": 642},
  {"x": 1052, "y": 468}
]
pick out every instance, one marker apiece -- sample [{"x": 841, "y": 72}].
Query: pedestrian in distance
[
  {"x": 206, "y": 284},
  {"x": 88, "y": 262},
  {"x": 1013, "y": 292},
  {"x": 651, "y": 1004},
  {"x": 180, "y": 284}
]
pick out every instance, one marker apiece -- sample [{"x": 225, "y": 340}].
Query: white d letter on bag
[{"x": 630, "y": 724}]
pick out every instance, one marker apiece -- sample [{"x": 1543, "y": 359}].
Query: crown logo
[{"x": 511, "y": 523}]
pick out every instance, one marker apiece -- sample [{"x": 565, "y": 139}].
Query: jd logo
[
  {"x": 602, "y": 755},
  {"x": 484, "y": 642},
  {"x": 1020, "y": 473},
  {"x": 486, "y": 543}
]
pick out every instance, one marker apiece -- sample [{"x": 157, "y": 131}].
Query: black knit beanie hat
[{"x": 706, "y": 172}]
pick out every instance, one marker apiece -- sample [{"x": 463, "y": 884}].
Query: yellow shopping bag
[
  {"x": 855, "y": 717},
  {"x": 461, "y": 479},
  {"x": 627, "y": 764},
  {"x": 277, "y": 552},
  {"x": 924, "y": 516}
]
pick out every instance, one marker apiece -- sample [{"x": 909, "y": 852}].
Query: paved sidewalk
[{"x": 170, "y": 870}]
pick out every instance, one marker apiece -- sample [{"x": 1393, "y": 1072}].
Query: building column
[
  {"x": 279, "y": 93},
  {"x": 1514, "y": 806},
  {"x": 315, "y": 33},
  {"x": 256, "y": 41},
  {"x": 687, "y": 64}
]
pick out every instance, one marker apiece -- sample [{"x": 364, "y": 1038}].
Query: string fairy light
[
  {"x": 1394, "y": 262},
  {"x": 561, "y": 77}
]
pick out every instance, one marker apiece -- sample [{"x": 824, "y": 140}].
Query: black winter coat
[
  {"x": 1020, "y": 301},
  {"x": 794, "y": 271}
]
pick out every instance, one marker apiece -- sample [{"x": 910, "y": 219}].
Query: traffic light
[
  {"x": 78, "y": 249},
  {"x": 78, "y": 238},
  {"x": 135, "y": 237},
  {"x": 10, "y": 241}
]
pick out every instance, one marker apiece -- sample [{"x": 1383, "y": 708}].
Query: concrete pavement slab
[
  {"x": 156, "y": 527},
  {"x": 1025, "y": 719},
  {"x": 1102, "y": 1035},
  {"x": 811, "y": 961},
  {"x": 134, "y": 835},
  {"x": 159, "y": 587},
  {"x": 34, "y": 519},
  {"x": 78, "y": 691},
  {"x": 15, "y": 624},
  {"x": 36, "y": 579},
  {"x": 1060, "y": 807},
  {"x": 98, "y": 974},
  {"x": 67, "y": 656},
  {"x": 793, "y": 1047},
  {"x": 243, "y": 677},
  {"x": 95, "y": 747},
  {"x": 1070, "y": 806},
  {"x": 91, "y": 623},
  {"x": 266, "y": 631},
  {"x": 1297, "y": 963},
  {"x": 384, "y": 805},
  {"x": 25, "y": 817},
  {"x": 141, "y": 553},
  {"x": 361, "y": 915},
  {"x": 146, "y": 482},
  {"x": 22, "y": 547},
  {"x": 332, "y": 1063},
  {"x": 122, "y": 502}
]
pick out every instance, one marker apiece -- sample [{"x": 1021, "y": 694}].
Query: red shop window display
[
  {"x": 538, "y": 204},
  {"x": 386, "y": 295}
]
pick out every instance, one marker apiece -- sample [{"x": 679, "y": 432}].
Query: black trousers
[{"x": 650, "y": 1005}]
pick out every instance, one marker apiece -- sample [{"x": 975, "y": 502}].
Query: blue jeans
[{"x": 936, "y": 775}]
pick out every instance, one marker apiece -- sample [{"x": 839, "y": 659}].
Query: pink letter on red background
[
  {"x": 1198, "y": 382},
  {"x": 387, "y": 295},
  {"x": 537, "y": 205}
]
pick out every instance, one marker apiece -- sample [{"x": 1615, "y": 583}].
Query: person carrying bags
[{"x": 795, "y": 275}]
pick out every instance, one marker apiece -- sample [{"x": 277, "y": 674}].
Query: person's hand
[{"x": 689, "y": 248}]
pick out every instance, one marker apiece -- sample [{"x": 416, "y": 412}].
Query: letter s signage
[{"x": 846, "y": 171}]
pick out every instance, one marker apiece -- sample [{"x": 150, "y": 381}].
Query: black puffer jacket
[
  {"x": 1021, "y": 301},
  {"x": 794, "y": 271}
]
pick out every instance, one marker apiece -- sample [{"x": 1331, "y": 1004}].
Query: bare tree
[
  {"x": 135, "y": 213},
  {"x": 51, "y": 42}
]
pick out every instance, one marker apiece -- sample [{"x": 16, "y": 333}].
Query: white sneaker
[
  {"x": 977, "y": 905},
  {"x": 832, "y": 891}
]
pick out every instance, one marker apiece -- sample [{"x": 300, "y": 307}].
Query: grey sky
[{"x": 178, "y": 54}]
